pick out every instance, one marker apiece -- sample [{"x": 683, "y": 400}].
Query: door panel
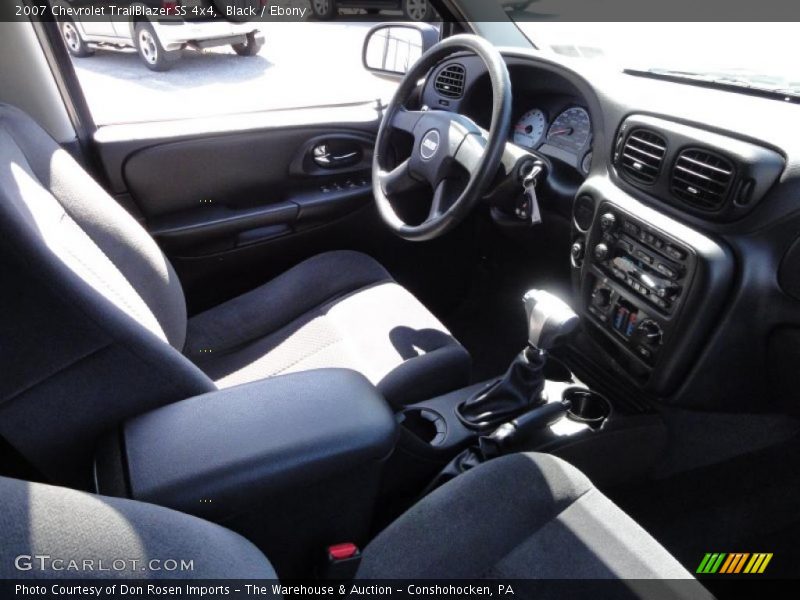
[
  {"x": 243, "y": 170},
  {"x": 232, "y": 209}
]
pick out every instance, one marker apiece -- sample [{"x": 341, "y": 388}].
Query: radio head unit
[
  {"x": 649, "y": 288},
  {"x": 643, "y": 260},
  {"x": 638, "y": 277}
]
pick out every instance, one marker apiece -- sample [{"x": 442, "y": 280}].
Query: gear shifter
[{"x": 550, "y": 320}]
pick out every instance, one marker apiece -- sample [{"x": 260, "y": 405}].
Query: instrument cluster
[{"x": 566, "y": 136}]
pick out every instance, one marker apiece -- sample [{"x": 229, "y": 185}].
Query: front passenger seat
[{"x": 94, "y": 326}]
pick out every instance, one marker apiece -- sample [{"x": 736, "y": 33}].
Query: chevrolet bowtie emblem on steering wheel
[{"x": 430, "y": 144}]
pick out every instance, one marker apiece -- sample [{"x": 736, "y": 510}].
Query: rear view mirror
[{"x": 391, "y": 48}]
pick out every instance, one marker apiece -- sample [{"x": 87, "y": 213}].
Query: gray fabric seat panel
[
  {"x": 94, "y": 310},
  {"x": 63, "y": 524},
  {"x": 67, "y": 209},
  {"x": 519, "y": 516},
  {"x": 526, "y": 517},
  {"x": 339, "y": 309},
  {"x": 280, "y": 301}
]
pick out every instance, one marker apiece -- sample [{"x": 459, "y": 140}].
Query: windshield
[{"x": 759, "y": 55}]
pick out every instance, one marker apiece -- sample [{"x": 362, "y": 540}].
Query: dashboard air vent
[
  {"x": 642, "y": 155},
  {"x": 701, "y": 178},
  {"x": 450, "y": 81}
]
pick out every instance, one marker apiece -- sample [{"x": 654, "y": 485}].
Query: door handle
[{"x": 326, "y": 159}]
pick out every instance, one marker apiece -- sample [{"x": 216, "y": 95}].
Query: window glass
[
  {"x": 178, "y": 67},
  {"x": 759, "y": 55}
]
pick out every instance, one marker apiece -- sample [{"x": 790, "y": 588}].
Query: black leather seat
[
  {"x": 522, "y": 517},
  {"x": 97, "y": 328}
]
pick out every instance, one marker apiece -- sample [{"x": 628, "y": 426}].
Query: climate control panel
[{"x": 631, "y": 324}]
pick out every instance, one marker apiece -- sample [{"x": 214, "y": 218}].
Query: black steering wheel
[{"x": 442, "y": 140}]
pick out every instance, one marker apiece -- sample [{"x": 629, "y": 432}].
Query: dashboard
[{"x": 684, "y": 224}]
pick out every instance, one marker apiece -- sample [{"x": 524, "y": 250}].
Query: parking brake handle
[{"x": 496, "y": 443}]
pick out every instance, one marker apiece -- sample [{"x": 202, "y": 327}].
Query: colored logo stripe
[
  {"x": 721, "y": 562},
  {"x": 758, "y": 563},
  {"x": 734, "y": 563},
  {"x": 711, "y": 563}
]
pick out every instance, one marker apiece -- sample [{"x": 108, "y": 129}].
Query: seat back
[
  {"x": 54, "y": 532},
  {"x": 93, "y": 314}
]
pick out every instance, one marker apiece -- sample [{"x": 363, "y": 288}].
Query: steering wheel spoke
[
  {"x": 442, "y": 199},
  {"x": 406, "y": 120},
  {"x": 439, "y": 202},
  {"x": 398, "y": 180},
  {"x": 470, "y": 152}
]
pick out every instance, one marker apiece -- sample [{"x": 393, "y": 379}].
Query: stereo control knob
[
  {"x": 601, "y": 297},
  {"x": 577, "y": 251},
  {"x": 669, "y": 292},
  {"x": 608, "y": 221},
  {"x": 651, "y": 333},
  {"x": 600, "y": 252}
]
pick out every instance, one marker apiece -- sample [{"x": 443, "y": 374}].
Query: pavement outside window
[{"x": 301, "y": 64}]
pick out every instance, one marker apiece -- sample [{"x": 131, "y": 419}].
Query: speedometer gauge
[
  {"x": 529, "y": 130},
  {"x": 571, "y": 130}
]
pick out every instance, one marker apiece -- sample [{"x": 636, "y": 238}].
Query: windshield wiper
[{"x": 721, "y": 81}]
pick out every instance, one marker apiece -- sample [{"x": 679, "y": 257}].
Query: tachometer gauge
[
  {"x": 529, "y": 130},
  {"x": 571, "y": 130}
]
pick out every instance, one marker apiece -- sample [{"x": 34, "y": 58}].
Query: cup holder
[
  {"x": 587, "y": 407},
  {"x": 555, "y": 370},
  {"x": 427, "y": 425}
]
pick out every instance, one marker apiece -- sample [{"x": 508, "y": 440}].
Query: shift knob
[{"x": 549, "y": 319}]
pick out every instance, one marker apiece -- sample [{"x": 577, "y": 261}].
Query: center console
[
  {"x": 649, "y": 286},
  {"x": 293, "y": 462},
  {"x": 589, "y": 429}
]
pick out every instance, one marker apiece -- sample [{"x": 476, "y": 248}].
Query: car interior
[{"x": 526, "y": 320}]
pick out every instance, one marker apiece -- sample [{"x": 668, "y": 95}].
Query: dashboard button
[
  {"x": 601, "y": 252},
  {"x": 608, "y": 221},
  {"x": 630, "y": 228},
  {"x": 601, "y": 297},
  {"x": 669, "y": 293},
  {"x": 667, "y": 270},
  {"x": 577, "y": 252},
  {"x": 674, "y": 252},
  {"x": 651, "y": 333}
]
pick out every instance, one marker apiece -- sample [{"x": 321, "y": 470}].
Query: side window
[{"x": 182, "y": 59}]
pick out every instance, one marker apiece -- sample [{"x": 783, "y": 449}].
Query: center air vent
[
  {"x": 642, "y": 155},
  {"x": 702, "y": 179},
  {"x": 450, "y": 81}
]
